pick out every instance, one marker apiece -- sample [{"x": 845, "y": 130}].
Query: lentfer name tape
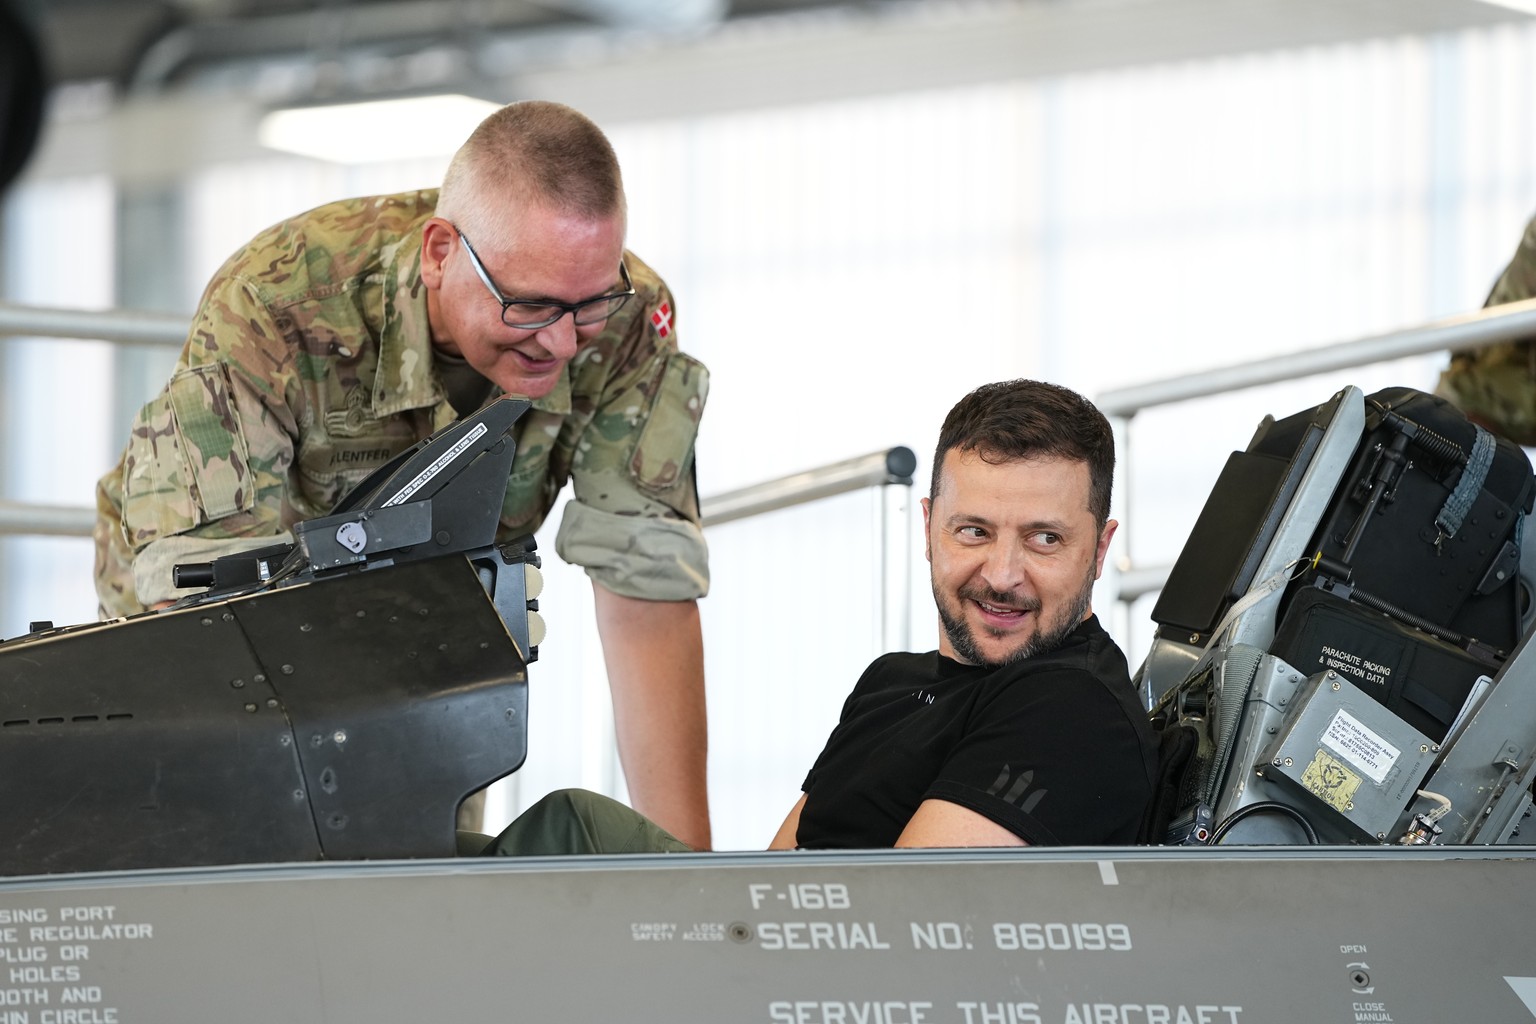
[{"x": 425, "y": 476}]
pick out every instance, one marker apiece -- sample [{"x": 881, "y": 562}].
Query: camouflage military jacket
[
  {"x": 1496, "y": 385},
  {"x": 309, "y": 365}
]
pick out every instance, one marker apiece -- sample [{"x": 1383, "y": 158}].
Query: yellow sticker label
[{"x": 1328, "y": 779}]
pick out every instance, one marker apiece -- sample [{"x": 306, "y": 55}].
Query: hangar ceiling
[
  {"x": 194, "y": 76},
  {"x": 150, "y": 43},
  {"x": 159, "y": 44}
]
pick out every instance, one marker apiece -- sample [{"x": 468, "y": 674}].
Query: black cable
[{"x": 1265, "y": 805}]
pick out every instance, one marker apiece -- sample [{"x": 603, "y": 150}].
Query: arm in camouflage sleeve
[
  {"x": 1496, "y": 385},
  {"x": 1518, "y": 281},
  {"x": 635, "y": 527},
  {"x": 205, "y": 472},
  {"x": 635, "y": 523}
]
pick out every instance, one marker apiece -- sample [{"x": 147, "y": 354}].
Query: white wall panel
[{"x": 56, "y": 399}]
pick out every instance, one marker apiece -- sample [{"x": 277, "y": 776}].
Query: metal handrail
[
  {"x": 119, "y": 326},
  {"x": 891, "y": 471},
  {"x": 46, "y": 520},
  {"x": 1513, "y": 321},
  {"x": 1510, "y": 322},
  {"x": 889, "y": 466}
]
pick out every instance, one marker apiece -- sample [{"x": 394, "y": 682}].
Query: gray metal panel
[
  {"x": 1274, "y": 686},
  {"x": 1129, "y": 936},
  {"x": 1349, "y": 758},
  {"x": 1485, "y": 773}
]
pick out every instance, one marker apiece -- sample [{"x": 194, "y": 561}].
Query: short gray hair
[{"x": 533, "y": 151}]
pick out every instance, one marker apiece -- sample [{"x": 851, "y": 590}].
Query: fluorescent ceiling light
[
  {"x": 363, "y": 132},
  {"x": 1523, "y": 6}
]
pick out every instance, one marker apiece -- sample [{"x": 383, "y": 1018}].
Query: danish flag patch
[{"x": 662, "y": 320}]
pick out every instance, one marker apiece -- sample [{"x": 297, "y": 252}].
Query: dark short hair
[{"x": 1027, "y": 419}]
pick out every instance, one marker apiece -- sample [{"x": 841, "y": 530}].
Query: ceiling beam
[{"x": 770, "y": 62}]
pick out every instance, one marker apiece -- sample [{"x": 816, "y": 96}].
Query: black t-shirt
[{"x": 1054, "y": 748}]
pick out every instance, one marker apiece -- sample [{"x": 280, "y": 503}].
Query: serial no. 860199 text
[{"x": 1086, "y": 936}]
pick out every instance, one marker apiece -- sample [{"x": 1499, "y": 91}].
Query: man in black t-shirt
[{"x": 1023, "y": 727}]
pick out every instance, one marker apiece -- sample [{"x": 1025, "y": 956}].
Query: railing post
[
  {"x": 1119, "y": 557},
  {"x": 896, "y": 567}
]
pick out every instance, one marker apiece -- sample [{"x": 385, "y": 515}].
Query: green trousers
[{"x": 576, "y": 821}]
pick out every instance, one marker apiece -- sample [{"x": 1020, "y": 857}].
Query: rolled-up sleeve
[
  {"x": 635, "y": 524},
  {"x": 651, "y": 558}
]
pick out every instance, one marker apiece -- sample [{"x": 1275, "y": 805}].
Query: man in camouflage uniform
[
  {"x": 335, "y": 340},
  {"x": 1496, "y": 386}
]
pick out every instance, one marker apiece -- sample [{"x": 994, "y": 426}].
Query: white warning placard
[{"x": 1348, "y": 737}]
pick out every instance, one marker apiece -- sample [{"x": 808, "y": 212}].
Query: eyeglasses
[{"x": 530, "y": 315}]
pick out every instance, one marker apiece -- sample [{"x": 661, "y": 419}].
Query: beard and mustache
[{"x": 1047, "y": 635}]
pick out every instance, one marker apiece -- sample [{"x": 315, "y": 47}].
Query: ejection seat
[{"x": 1315, "y": 656}]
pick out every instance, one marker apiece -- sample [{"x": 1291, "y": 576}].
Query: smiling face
[
  {"x": 544, "y": 254},
  {"x": 1014, "y": 551}
]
